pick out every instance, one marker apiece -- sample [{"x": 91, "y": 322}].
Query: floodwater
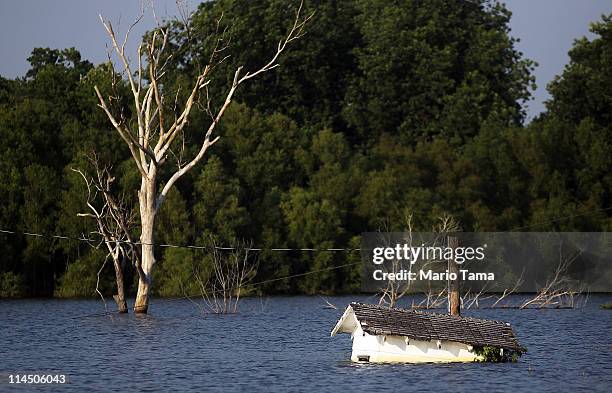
[{"x": 281, "y": 344}]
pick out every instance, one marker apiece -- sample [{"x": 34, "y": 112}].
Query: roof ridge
[{"x": 428, "y": 313}]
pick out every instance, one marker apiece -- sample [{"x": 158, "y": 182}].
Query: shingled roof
[{"x": 426, "y": 326}]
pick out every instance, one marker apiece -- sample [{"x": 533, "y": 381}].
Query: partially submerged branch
[
  {"x": 559, "y": 290},
  {"x": 113, "y": 221},
  {"x": 224, "y": 279},
  {"x": 395, "y": 290}
]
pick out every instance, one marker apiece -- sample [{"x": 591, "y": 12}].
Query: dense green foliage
[
  {"x": 496, "y": 355},
  {"x": 380, "y": 110}
]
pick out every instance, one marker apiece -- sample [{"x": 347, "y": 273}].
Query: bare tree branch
[{"x": 151, "y": 141}]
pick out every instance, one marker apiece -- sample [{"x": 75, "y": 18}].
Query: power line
[
  {"x": 167, "y": 300},
  {"x": 194, "y": 247},
  {"x": 560, "y": 219},
  {"x": 199, "y": 247},
  {"x": 165, "y": 245},
  {"x": 84, "y": 239}
]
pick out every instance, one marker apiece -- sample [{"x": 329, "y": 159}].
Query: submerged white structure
[{"x": 382, "y": 334}]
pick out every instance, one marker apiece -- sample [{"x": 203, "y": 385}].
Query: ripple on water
[{"x": 283, "y": 344}]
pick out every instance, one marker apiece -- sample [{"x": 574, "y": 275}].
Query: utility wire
[
  {"x": 560, "y": 219},
  {"x": 164, "y": 245},
  {"x": 198, "y": 247},
  {"x": 84, "y": 239},
  {"x": 167, "y": 300}
]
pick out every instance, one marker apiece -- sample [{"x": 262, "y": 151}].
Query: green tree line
[{"x": 382, "y": 109}]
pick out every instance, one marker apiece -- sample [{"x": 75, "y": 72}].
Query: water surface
[{"x": 282, "y": 344}]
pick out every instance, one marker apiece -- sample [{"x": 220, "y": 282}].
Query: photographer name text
[{"x": 430, "y": 275}]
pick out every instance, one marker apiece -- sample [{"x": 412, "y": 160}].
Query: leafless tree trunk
[
  {"x": 153, "y": 137},
  {"x": 454, "y": 301},
  {"x": 113, "y": 221}
]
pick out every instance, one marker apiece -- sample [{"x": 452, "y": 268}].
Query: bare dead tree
[
  {"x": 113, "y": 221},
  {"x": 433, "y": 299},
  {"x": 159, "y": 125},
  {"x": 559, "y": 290},
  {"x": 473, "y": 299},
  {"x": 222, "y": 283},
  {"x": 395, "y": 290}
]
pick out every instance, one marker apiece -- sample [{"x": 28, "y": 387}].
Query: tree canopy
[{"x": 383, "y": 109}]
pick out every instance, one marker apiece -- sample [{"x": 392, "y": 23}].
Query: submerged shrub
[{"x": 491, "y": 354}]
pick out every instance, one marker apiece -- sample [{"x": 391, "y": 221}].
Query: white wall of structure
[{"x": 380, "y": 348}]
